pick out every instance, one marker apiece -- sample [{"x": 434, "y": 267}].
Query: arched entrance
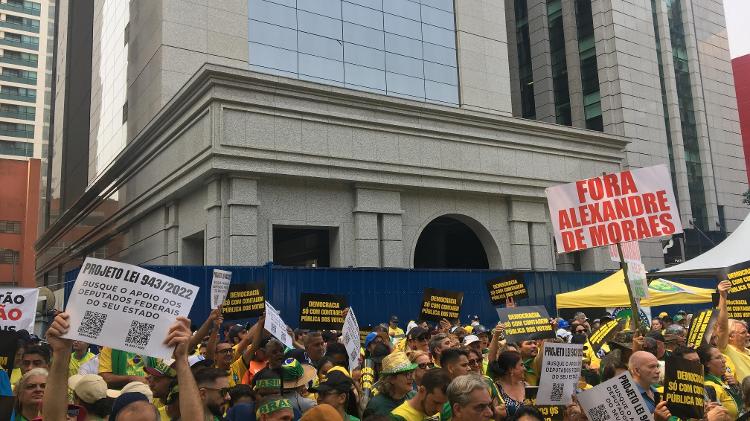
[{"x": 449, "y": 242}]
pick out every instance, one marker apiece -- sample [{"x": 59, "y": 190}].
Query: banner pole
[{"x": 635, "y": 318}]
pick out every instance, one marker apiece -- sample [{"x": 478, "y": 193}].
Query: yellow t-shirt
[
  {"x": 406, "y": 412},
  {"x": 725, "y": 399},
  {"x": 236, "y": 372},
  {"x": 396, "y": 334},
  {"x": 75, "y": 363},
  {"x": 740, "y": 359},
  {"x": 134, "y": 367}
]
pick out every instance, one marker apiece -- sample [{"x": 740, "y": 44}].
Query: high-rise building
[
  {"x": 741, "y": 68},
  {"x": 19, "y": 210},
  {"x": 375, "y": 133},
  {"x": 655, "y": 71}
]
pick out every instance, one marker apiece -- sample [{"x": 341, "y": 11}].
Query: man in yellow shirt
[
  {"x": 81, "y": 355},
  {"x": 395, "y": 332},
  {"x": 429, "y": 399},
  {"x": 732, "y": 336},
  {"x": 119, "y": 368}
]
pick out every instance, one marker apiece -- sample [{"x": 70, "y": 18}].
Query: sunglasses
[
  {"x": 474, "y": 362},
  {"x": 223, "y": 391},
  {"x": 426, "y": 366},
  {"x": 580, "y": 330}
]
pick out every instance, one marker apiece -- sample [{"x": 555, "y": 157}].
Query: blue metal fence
[{"x": 376, "y": 294}]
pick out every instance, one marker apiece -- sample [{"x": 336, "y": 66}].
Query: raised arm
[
  {"x": 722, "y": 322},
  {"x": 205, "y": 329},
  {"x": 255, "y": 335},
  {"x": 55, "y": 405},
  {"x": 191, "y": 407},
  {"x": 213, "y": 340}
]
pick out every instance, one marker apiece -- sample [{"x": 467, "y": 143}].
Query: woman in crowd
[
  {"x": 30, "y": 394},
  {"x": 423, "y": 362},
  {"x": 475, "y": 361},
  {"x": 510, "y": 383},
  {"x": 338, "y": 391},
  {"x": 717, "y": 389}
]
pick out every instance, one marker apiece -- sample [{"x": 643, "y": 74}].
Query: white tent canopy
[{"x": 733, "y": 250}]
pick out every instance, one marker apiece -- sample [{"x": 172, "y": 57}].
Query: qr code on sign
[
  {"x": 557, "y": 392},
  {"x": 599, "y": 413},
  {"x": 139, "y": 334},
  {"x": 92, "y": 323}
]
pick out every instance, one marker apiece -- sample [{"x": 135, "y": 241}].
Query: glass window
[
  {"x": 321, "y": 46},
  {"x": 440, "y": 36},
  {"x": 438, "y": 17},
  {"x": 362, "y": 15},
  {"x": 403, "y": 45},
  {"x": 439, "y": 54},
  {"x": 407, "y": 85},
  {"x": 364, "y": 56},
  {"x": 365, "y": 76},
  {"x": 440, "y": 73},
  {"x": 330, "y": 8},
  {"x": 402, "y": 26},
  {"x": 321, "y": 67},
  {"x": 446, "y": 5},
  {"x": 319, "y": 25},
  {"x": 441, "y": 92},
  {"x": 363, "y": 36},
  {"x": 278, "y": 36},
  {"x": 373, "y": 4},
  {"x": 273, "y": 57},
  {"x": 277, "y": 14},
  {"x": 404, "y": 65},
  {"x": 403, "y": 8}
]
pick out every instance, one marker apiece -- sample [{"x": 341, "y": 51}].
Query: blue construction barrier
[{"x": 376, "y": 294}]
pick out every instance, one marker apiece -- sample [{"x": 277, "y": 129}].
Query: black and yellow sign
[
  {"x": 549, "y": 412},
  {"x": 321, "y": 311},
  {"x": 509, "y": 286},
  {"x": 738, "y": 298},
  {"x": 8, "y": 347},
  {"x": 440, "y": 304},
  {"x": 701, "y": 327},
  {"x": 244, "y": 301},
  {"x": 605, "y": 333},
  {"x": 683, "y": 387},
  {"x": 525, "y": 323}
]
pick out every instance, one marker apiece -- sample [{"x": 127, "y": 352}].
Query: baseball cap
[
  {"x": 139, "y": 388},
  {"x": 469, "y": 339},
  {"x": 335, "y": 381},
  {"x": 369, "y": 338},
  {"x": 235, "y": 331},
  {"x": 663, "y": 314},
  {"x": 394, "y": 318},
  {"x": 162, "y": 368},
  {"x": 678, "y": 317},
  {"x": 417, "y": 333},
  {"x": 91, "y": 388}
]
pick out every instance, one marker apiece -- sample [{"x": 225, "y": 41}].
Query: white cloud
[{"x": 737, "y": 14}]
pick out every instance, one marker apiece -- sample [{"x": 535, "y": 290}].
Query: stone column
[
  {"x": 529, "y": 238},
  {"x": 378, "y": 228},
  {"x": 573, "y": 60},
  {"x": 541, "y": 61},
  {"x": 242, "y": 210},
  {"x": 213, "y": 222},
  {"x": 171, "y": 234}
]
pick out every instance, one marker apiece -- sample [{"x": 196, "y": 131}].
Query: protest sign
[
  {"x": 509, "y": 286},
  {"x": 7, "y": 404},
  {"x": 683, "y": 387},
  {"x": 244, "y": 301},
  {"x": 18, "y": 308},
  {"x": 561, "y": 370},
  {"x": 631, "y": 252},
  {"x": 275, "y": 325},
  {"x": 701, "y": 327},
  {"x": 8, "y": 348},
  {"x": 637, "y": 280},
  {"x": 321, "y": 311},
  {"x": 350, "y": 338},
  {"x": 605, "y": 333},
  {"x": 549, "y": 412},
  {"x": 126, "y": 307},
  {"x": 617, "y": 399},
  {"x": 627, "y": 206},
  {"x": 220, "y": 287},
  {"x": 439, "y": 304},
  {"x": 738, "y": 297},
  {"x": 525, "y": 323}
]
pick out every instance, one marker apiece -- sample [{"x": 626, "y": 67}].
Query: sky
[{"x": 737, "y": 14}]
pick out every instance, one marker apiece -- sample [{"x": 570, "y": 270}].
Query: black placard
[
  {"x": 549, "y": 412},
  {"x": 701, "y": 327},
  {"x": 738, "y": 298},
  {"x": 525, "y": 323},
  {"x": 605, "y": 333},
  {"x": 440, "y": 304},
  {"x": 321, "y": 311},
  {"x": 683, "y": 387},
  {"x": 509, "y": 286},
  {"x": 8, "y": 348},
  {"x": 244, "y": 301}
]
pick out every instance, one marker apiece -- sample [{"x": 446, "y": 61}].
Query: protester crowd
[{"x": 443, "y": 371}]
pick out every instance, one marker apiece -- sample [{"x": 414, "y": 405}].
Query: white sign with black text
[
  {"x": 220, "y": 287},
  {"x": 18, "y": 309},
  {"x": 617, "y": 399},
  {"x": 276, "y": 326},
  {"x": 561, "y": 370},
  {"x": 350, "y": 338},
  {"x": 126, "y": 307}
]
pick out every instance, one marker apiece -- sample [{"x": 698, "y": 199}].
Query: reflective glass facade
[
  {"x": 559, "y": 63},
  {"x": 523, "y": 46},
  {"x": 592, "y": 104},
  {"x": 397, "y": 47}
]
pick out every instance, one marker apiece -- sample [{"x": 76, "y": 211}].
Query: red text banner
[{"x": 614, "y": 208}]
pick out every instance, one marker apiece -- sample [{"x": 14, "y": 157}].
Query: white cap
[
  {"x": 90, "y": 387},
  {"x": 140, "y": 388},
  {"x": 469, "y": 339}
]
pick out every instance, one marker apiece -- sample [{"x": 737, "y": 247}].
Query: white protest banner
[
  {"x": 617, "y": 399},
  {"x": 18, "y": 308},
  {"x": 220, "y": 287},
  {"x": 627, "y": 206},
  {"x": 126, "y": 307},
  {"x": 631, "y": 252},
  {"x": 350, "y": 338},
  {"x": 561, "y": 370},
  {"x": 276, "y": 326},
  {"x": 637, "y": 279}
]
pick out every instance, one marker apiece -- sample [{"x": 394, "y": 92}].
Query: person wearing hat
[
  {"x": 337, "y": 390},
  {"x": 295, "y": 377},
  {"x": 90, "y": 391},
  {"x": 274, "y": 408},
  {"x": 472, "y": 341},
  {"x": 394, "y": 384},
  {"x": 429, "y": 399},
  {"x": 323, "y": 412},
  {"x": 418, "y": 339},
  {"x": 395, "y": 332},
  {"x": 159, "y": 379}
]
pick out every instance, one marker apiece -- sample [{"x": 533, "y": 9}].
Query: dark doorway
[
  {"x": 447, "y": 243},
  {"x": 302, "y": 247}
]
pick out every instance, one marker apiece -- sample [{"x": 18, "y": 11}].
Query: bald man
[
  {"x": 138, "y": 411},
  {"x": 644, "y": 367}
]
